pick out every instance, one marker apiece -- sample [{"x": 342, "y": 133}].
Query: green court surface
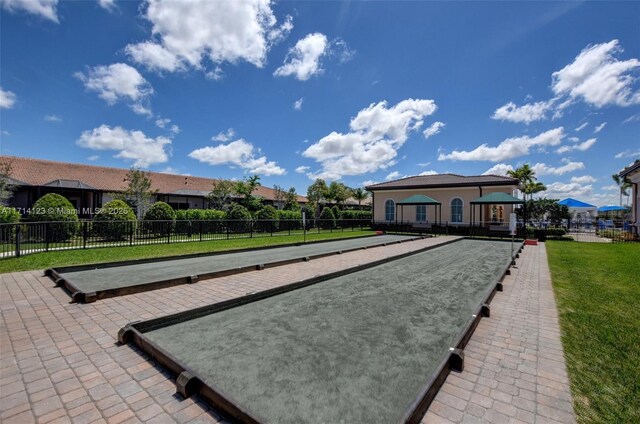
[
  {"x": 353, "y": 349},
  {"x": 108, "y": 278}
]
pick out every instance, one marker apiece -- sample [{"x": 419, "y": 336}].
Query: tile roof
[
  {"x": 443, "y": 180},
  {"x": 39, "y": 172}
]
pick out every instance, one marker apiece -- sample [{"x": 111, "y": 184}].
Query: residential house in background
[
  {"x": 454, "y": 192},
  {"x": 87, "y": 187}
]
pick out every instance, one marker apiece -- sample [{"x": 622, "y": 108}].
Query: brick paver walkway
[{"x": 59, "y": 362}]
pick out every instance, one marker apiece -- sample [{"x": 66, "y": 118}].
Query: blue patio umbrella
[
  {"x": 611, "y": 208},
  {"x": 573, "y": 203}
]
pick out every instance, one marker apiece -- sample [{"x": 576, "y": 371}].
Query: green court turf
[
  {"x": 353, "y": 349},
  {"x": 95, "y": 280}
]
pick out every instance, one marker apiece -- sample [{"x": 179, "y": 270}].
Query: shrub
[
  {"x": 111, "y": 221},
  {"x": 353, "y": 214},
  {"x": 336, "y": 212},
  {"x": 267, "y": 219},
  {"x": 240, "y": 218},
  {"x": 290, "y": 219},
  {"x": 8, "y": 216},
  {"x": 327, "y": 218},
  {"x": 53, "y": 207},
  {"x": 159, "y": 211}
]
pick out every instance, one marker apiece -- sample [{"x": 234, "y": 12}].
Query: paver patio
[{"x": 59, "y": 362}]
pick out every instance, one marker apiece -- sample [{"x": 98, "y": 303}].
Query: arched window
[
  {"x": 389, "y": 210},
  {"x": 421, "y": 213},
  {"x": 456, "y": 210}
]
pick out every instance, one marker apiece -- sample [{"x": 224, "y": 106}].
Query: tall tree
[
  {"x": 279, "y": 197},
  {"x": 138, "y": 193},
  {"x": 245, "y": 189},
  {"x": 221, "y": 195},
  {"x": 534, "y": 187},
  {"x": 291, "y": 200},
  {"x": 317, "y": 193},
  {"x": 6, "y": 188},
  {"x": 623, "y": 183},
  {"x": 524, "y": 175},
  {"x": 360, "y": 195},
  {"x": 338, "y": 192}
]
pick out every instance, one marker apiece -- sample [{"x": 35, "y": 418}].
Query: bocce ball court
[
  {"x": 373, "y": 343},
  {"x": 88, "y": 283}
]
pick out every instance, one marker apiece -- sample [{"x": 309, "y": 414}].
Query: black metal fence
[
  {"x": 597, "y": 231},
  {"x": 31, "y": 237}
]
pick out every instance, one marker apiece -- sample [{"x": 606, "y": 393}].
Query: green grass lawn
[
  {"x": 111, "y": 254},
  {"x": 597, "y": 287}
]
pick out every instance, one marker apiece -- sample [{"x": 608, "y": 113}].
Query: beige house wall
[{"x": 444, "y": 196}]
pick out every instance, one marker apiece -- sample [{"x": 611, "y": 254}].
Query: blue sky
[{"x": 357, "y": 91}]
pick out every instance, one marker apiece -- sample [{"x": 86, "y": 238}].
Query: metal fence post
[
  {"x": 84, "y": 234},
  {"x": 131, "y": 233},
  {"x": 168, "y": 232},
  {"x": 47, "y": 230},
  {"x": 18, "y": 237}
]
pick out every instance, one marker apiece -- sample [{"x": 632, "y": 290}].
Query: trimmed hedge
[
  {"x": 354, "y": 214},
  {"x": 336, "y": 212},
  {"x": 111, "y": 223},
  {"x": 200, "y": 214},
  {"x": 54, "y": 207}
]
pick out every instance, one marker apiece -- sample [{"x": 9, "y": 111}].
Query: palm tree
[
  {"x": 359, "y": 194},
  {"x": 525, "y": 175},
  {"x": 624, "y": 185},
  {"x": 534, "y": 187}
]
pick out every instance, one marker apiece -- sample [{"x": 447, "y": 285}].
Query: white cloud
[
  {"x": 297, "y": 105},
  {"x": 393, "y": 176},
  {"x": 424, "y": 164},
  {"x": 527, "y": 113},
  {"x": 52, "y": 118},
  {"x": 162, "y": 122},
  {"x": 302, "y": 169},
  {"x": 238, "y": 153},
  {"x": 93, "y": 158},
  {"x": 509, "y": 148},
  {"x": 7, "y": 99},
  {"x": 134, "y": 145},
  {"x": 611, "y": 187},
  {"x": 543, "y": 169},
  {"x": 109, "y": 5},
  {"x": 154, "y": 57},
  {"x": 174, "y": 129},
  {"x": 44, "y": 8},
  {"x": 172, "y": 170},
  {"x": 303, "y": 60},
  {"x": 574, "y": 139},
  {"x": 585, "y": 145},
  {"x": 599, "y": 128},
  {"x": 430, "y": 172},
  {"x": 498, "y": 169},
  {"x": 561, "y": 190},
  {"x": 598, "y": 78},
  {"x": 632, "y": 118},
  {"x": 582, "y": 126},
  {"x": 117, "y": 82},
  {"x": 224, "y": 136},
  {"x": 198, "y": 33},
  {"x": 583, "y": 179},
  {"x": 628, "y": 154},
  {"x": 375, "y": 135},
  {"x": 368, "y": 183},
  {"x": 433, "y": 129},
  {"x": 340, "y": 49}
]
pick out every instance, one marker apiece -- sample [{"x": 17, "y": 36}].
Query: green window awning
[
  {"x": 498, "y": 198},
  {"x": 418, "y": 199}
]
